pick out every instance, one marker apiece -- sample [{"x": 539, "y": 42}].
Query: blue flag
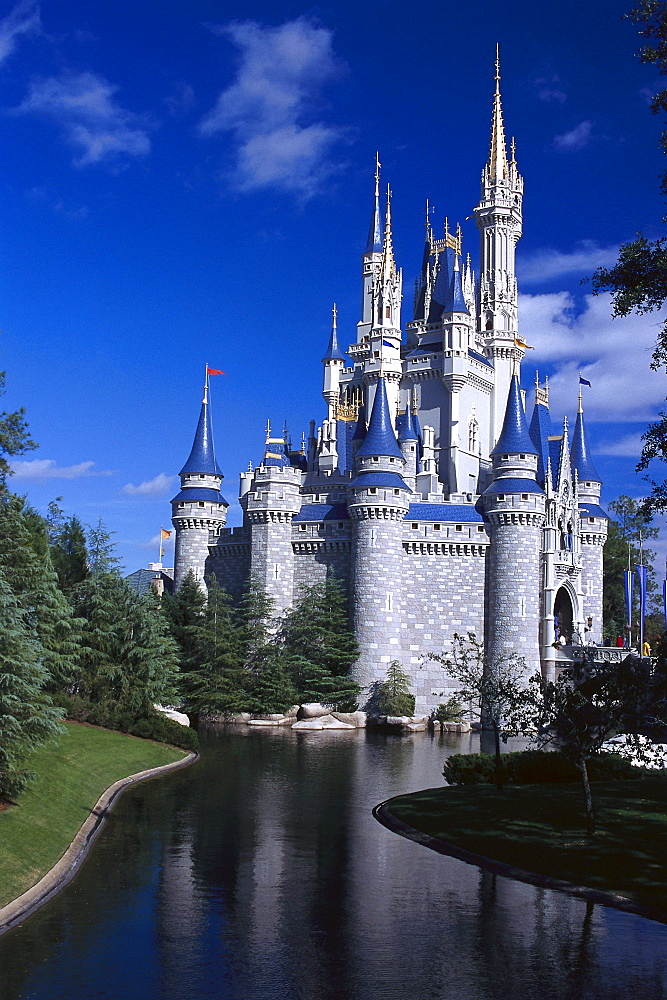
[
  {"x": 641, "y": 574},
  {"x": 387, "y": 343},
  {"x": 584, "y": 381},
  {"x": 628, "y": 586}
]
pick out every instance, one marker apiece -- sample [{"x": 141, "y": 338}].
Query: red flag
[{"x": 215, "y": 371}]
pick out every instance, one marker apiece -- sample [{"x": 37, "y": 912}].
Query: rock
[
  {"x": 356, "y": 719},
  {"x": 241, "y": 717},
  {"x": 312, "y": 710},
  {"x": 264, "y": 722},
  {"x": 292, "y": 712},
  {"x": 417, "y": 727},
  {"x": 398, "y": 720},
  {"x": 323, "y": 722},
  {"x": 174, "y": 714}
]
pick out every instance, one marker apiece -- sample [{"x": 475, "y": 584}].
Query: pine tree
[
  {"x": 271, "y": 687},
  {"x": 623, "y": 538},
  {"x": 14, "y": 435},
  {"x": 69, "y": 553},
  {"x": 26, "y": 564},
  {"x": 184, "y": 611},
  {"x": 217, "y": 682},
  {"x": 27, "y": 717},
  {"x": 393, "y": 696},
  {"x": 318, "y": 647},
  {"x": 255, "y": 618}
]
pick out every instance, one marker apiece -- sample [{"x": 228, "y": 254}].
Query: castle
[{"x": 426, "y": 489}]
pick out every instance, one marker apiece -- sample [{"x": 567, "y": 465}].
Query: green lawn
[
  {"x": 540, "y": 828},
  {"x": 72, "y": 775}
]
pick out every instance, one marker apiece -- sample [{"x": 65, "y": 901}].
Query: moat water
[{"x": 260, "y": 874}]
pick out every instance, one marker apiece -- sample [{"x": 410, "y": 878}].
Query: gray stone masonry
[
  {"x": 593, "y": 537},
  {"x": 269, "y": 505}
]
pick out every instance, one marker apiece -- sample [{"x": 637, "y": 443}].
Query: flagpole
[
  {"x": 160, "y": 552},
  {"x": 642, "y": 597}
]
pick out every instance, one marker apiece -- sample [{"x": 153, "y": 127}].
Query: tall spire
[
  {"x": 388, "y": 264},
  {"x": 497, "y": 166},
  {"x": 580, "y": 453},
  {"x": 334, "y": 352},
  {"x": 201, "y": 460},
  {"x": 374, "y": 242}
]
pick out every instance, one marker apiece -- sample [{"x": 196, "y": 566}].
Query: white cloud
[
  {"x": 629, "y": 446},
  {"x": 613, "y": 354},
  {"x": 550, "y": 88},
  {"x": 92, "y": 120},
  {"x": 547, "y": 264},
  {"x": 22, "y": 20},
  {"x": 47, "y": 468},
  {"x": 266, "y": 107},
  {"x": 576, "y": 139},
  {"x": 156, "y": 487}
]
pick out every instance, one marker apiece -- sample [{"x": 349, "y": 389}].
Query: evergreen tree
[
  {"x": 128, "y": 659},
  {"x": 254, "y": 617},
  {"x": 27, "y": 717},
  {"x": 216, "y": 684},
  {"x": 318, "y": 647},
  {"x": 271, "y": 688},
  {"x": 393, "y": 696},
  {"x": 14, "y": 435},
  {"x": 69, "y": 553},
  {"x": 26, "y": 565},
  {"x": 101, "y": 553},
  {"x": 184, "y": 611}
]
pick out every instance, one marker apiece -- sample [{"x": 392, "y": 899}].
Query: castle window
[
  {"x": 376, "y": 354},
  {"x": 373, "y": 489},
  {"x": 201, "y": 504},
  {"x": 397, "y": 493},
  {"x": 387, "y": 312},
  {"x": 501, "y": 496},
  {"x": 340, "y": 524},
  {"x": 459, "y": 527},
  {"x": 524, "y": 496},
  {"x": 415, "y": 527},
  {"x": 376, "y": 458},
  {"x": 480, "y": 527},
  {"x": 505, "y": 458},
  {"x": 181, "y": 505},
  {"x": 202, "y": 475},
  {"x": 436, "y": 527},
  {"x": 591, "y": 520},
  {"x": 302, "y": 527},
  {"x": 392, "y": 460},
  {"x": 589, "y": 484}
]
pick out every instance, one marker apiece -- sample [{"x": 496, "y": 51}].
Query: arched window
[{"x": 473, "y": 429}]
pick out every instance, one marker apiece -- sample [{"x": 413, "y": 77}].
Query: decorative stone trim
[
  {"x": 445, "y": 548},
  {"x": 534, "y": 519},
  {"x": 321, "y": 545},
  {"x": 196, "y": 523},
  {"x": 270, "y": 516},
  {"x": 363, "y": 513}
]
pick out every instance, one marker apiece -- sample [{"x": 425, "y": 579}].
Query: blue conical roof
[
  {"x": 458, "y": 302},
  {"x": 540, "y": 429},
  {"x": 408, "y": 431},
  {"x": 380, "y": 437},
  {"x": 514, "y": 437},
  {"x": 374, "y": 241},
  {"x": 334, "y": 352},
  {"x": 202, "y": 457},
  {"x": 580, "y": 454}
]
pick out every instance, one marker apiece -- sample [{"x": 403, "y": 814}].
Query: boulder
[
  {"x": 356, "y": 719},
  {"x": 174, "y": 714},
  {"x": 312, "y": 710},
  {"x": 398, "y": 720},
  {"x": 323, "y": 722},
  {"x": 265, "y": 722},
  {"x": 417, "y": 727},
  {"x": 241, "y": 717}
]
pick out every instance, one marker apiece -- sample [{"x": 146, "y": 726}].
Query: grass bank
[
  {"x": 72, "y": 775},
  {"x": 540, "y": 828}
]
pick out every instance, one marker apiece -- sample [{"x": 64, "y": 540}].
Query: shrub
[
  {"x": 449, "y": 711},
  {"x": 529, "y": 767},
  {"x": 152, "y": 726},
  {"x": 393, "y": 696}
]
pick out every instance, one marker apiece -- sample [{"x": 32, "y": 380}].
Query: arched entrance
[{"x": 563, "y": 614}]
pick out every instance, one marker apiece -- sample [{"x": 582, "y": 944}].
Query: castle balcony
[{"x": 567, "y": 656}]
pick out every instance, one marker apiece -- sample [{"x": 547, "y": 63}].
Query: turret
[
  {"x": 514, "y": 509},
  {"x": 199, "y": 511},
  {"x": 378, "y": 500},
  {"x": 334, "y": 362},
  {"x": 499, "y": 218},
  {"x": 408, "y": 439},
  {"x": 593, "y": 525},
  {"x": 371, "y": 262}
]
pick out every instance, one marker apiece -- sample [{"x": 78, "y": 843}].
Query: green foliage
[
  {"x": 27, "y": 716},
  {"x": 638, "y": 280},
  {"x": 151, "y": 726},
  {"x": 271, "y": 688},
  {"x": 69, "y": 553},
  {"x": 393, "y": 696},
  {"x": 629, "y": 524},
  {"x": 254, "y": 618},
  {"x": 216, "y": 682},
  {"x": 101, "y": 550},
  {"x": 316, "y": 644},
  {"x": 530, "y": 767},
  {"x": 184, "y": 611},
  {"x": 127, "y": 656},
  {"x": 14, "y": 435},
  {"x": 449, "y": 711}
]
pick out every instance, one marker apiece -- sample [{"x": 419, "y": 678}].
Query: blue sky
[{"x": 191, "y": 183}]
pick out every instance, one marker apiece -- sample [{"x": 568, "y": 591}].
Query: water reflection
[{"x": 260, "y": 874}]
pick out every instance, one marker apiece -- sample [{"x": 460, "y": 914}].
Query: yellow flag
[
  {"x": 522, "y": 343},
  {"x": 165, "y": 534}
]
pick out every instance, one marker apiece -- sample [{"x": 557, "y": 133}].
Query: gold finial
[
  {"x": 377, "y": 173},
  {"x": 537, "y": 380},
  {"x": 268, "y": 429}
]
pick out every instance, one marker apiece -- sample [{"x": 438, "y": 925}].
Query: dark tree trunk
[{"x": 588, "y": 798}]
